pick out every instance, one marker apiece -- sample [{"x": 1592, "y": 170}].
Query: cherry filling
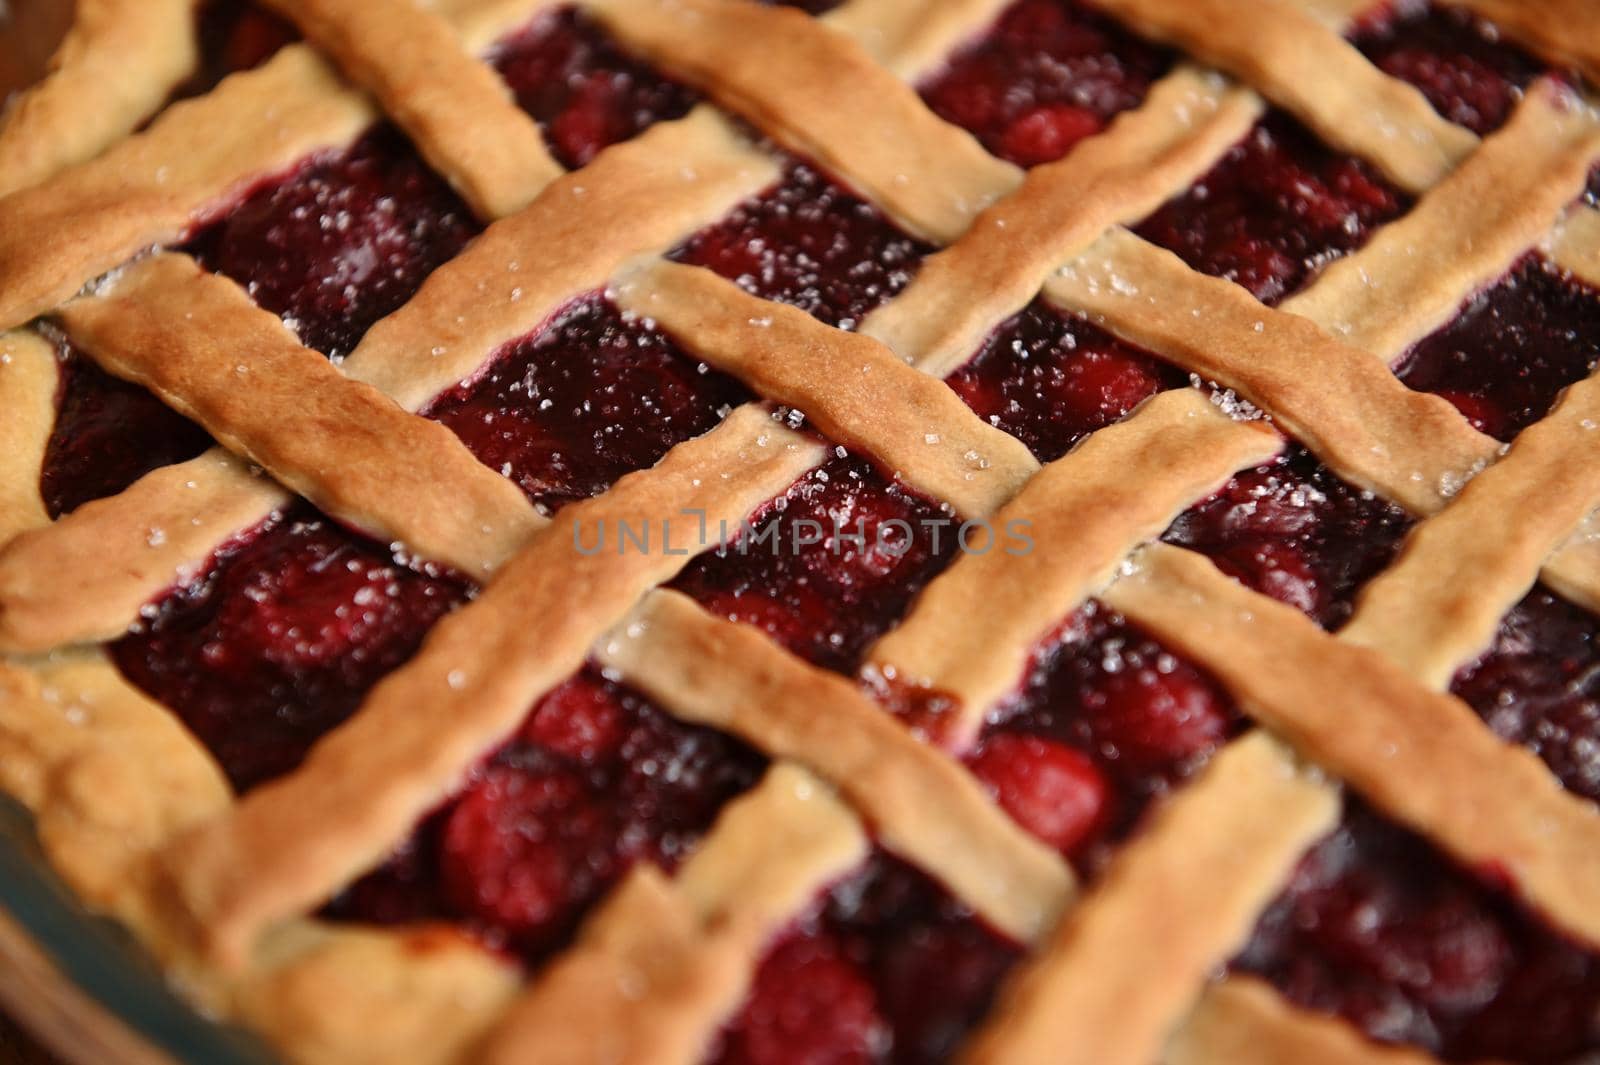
[
  {"x": 1376, "y": 926},
  {"x": 829, "y": 566},
  {"x": 592, "y": 396},
  {"x": 1277, "y": 208},
  {"x": 584, "y": 91},
  {"x": 1460, "y": 62},
  {"x": 234, "y": 35},
  {"x": 1049, "y": 74},
  {"x": 1294, "y": 531},
  {"x": 890, "y": 969},
  {"x": 108, "y": 433},
  {"x": 1051, "y": 379},
  {"x": 342, "y": 242},
  {"x": 596, "y": 779},
  {"x": 810, "y": 243},
  {"x": 280, "y": 640},
  {"x": 1539, "y": 685},
  {"x": 1106, "y": 719},
  {"x": 1511, "y": 351}
]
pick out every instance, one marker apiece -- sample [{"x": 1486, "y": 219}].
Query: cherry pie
[{"x": 900, "y": 531}]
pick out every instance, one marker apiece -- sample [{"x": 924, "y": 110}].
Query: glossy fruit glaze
[
  {"x": 1512, "y": 349},
  {"x": 1276, "y": 209},
  {"x": 1045, "y": 77},
  {"x": 810, "y": 243},
  {"x": 593, "y": 395}
]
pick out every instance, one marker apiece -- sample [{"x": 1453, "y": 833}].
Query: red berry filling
[
  {"x": 1539, "y": 685},
  {"x": 342, "y": 242},
  {"x": 1277, "y": 208},
  {"x": 584, "y": 91},
  {"x": 108, "y": 434},
  {"x": 1050, "y": 379},
  {"x": 829, "y": 566},
  {"x": 592, "y": 396},
  {"x": 1511, "y": 351},
  {"x": 1105, "y": 720},
  {"x": 280, "y": 640},
  {"x": 1461, "y": 64},
  {"x": 234, "y": 35},
  {"x": 809, "y": 243},
  {"x": 597, "y": 778},
  {"x": 1378, "y": 927},
  {"x": 1049, "y": 74},
  {"x": 890, "y": 970},
  {"x": 1295, "y": 532}
]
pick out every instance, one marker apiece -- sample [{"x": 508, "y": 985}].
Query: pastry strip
[
  {"x": 454, "y": 107},
  {"x": 28, "y": 382},
  {"x": 117, "y": 65},
  {"x": 662, "y": 964},
  {"x": 1564, "y": 31},
  {"x": 292, "y": 842},
  {"x": 852, "y": 387},
  {"x": 1252, "y": 812},
  {"x": 912, "y": 37},
  {"x": 1439, "y": 603},
  {"x": 1422, "y": 757},
  {"x": 972, "y": 629},
  {"x": 921, "y": 803},
  {"x": 820, "y": 94},
  {"x": 198, "y": 342}
]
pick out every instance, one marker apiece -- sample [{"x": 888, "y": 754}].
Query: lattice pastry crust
[{"x": 139, "y": 820}]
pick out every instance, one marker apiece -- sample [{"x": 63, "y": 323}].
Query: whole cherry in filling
[
  {"x": 810, "y": 243},
  {"x": 592, "y": 396},
  {"x": 1050, "y": 379},
  {"x": 828, "y": 567},
  {"x": 1378, "y": 927},
  {"x": 108, "y": 433},
  {"x": 584, "y": 91},
  {"x": 1294, "y": 531},
  {"x": 1277, "y": 208},
  {"x": 596, "y": 779},
  {"x": 1049, "y": 74},
  {"x": 342, "y": 242},
  {"x": 278, "y": 643},
  {"x": 890, "y": 969},
  {"x": 1467, "y": 70},
  {"x": 1105, "y": 720},
  {"x": 1512, "y": 349}
]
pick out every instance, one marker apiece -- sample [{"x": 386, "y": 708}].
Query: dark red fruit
[
  {"x": 809, "y": 243},
  {"x": 1046, "y": 76},
  {"x": 1276, "y": 209},
  {"x": 1152, "y": 718},
  {"x": 809, "y": 1006},
  {"x": 585, "y": 91},
  {"x": 590, "y": 397},
  {"x": 343, "y": 242},
  {"x": 1054, "y": 791},
  {"x": 1050, "y": 379}
]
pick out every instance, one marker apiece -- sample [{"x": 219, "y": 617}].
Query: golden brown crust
[
  {"x": 973, "y": 628},
  {"x": 198, "y": 342},
  {"x": 661, "y": 964},
  {"x": 912, "y": 37},
  {"x": 921, "y": 803},
  {"x": 1438, "y": 605},
  {"x": 1414, "y": 275},
  {"x": 820, "y": 94},
  {"x": 851, "y": 387},
  {"x": 1574, "y": 245},
  {"x": 569, "y": 242},
  {"x": 457, "y": 111},
  {"x": 1422, "y": 757},
  {"x": 1126, "y": 963},
  {"x": 87, "y": 576},
  {"x": 115, "y": 68},
  {"x": 1301, "y": 64},
  {"x": 1189, "y": 120},
  {"x": 1410, "y": 447},
  {"x": 1243, "y": 1021},
  {"x": 28, "y": 382},
  {"x": 1566, "y": 32},
  {"x": 292, "y": 842}
]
